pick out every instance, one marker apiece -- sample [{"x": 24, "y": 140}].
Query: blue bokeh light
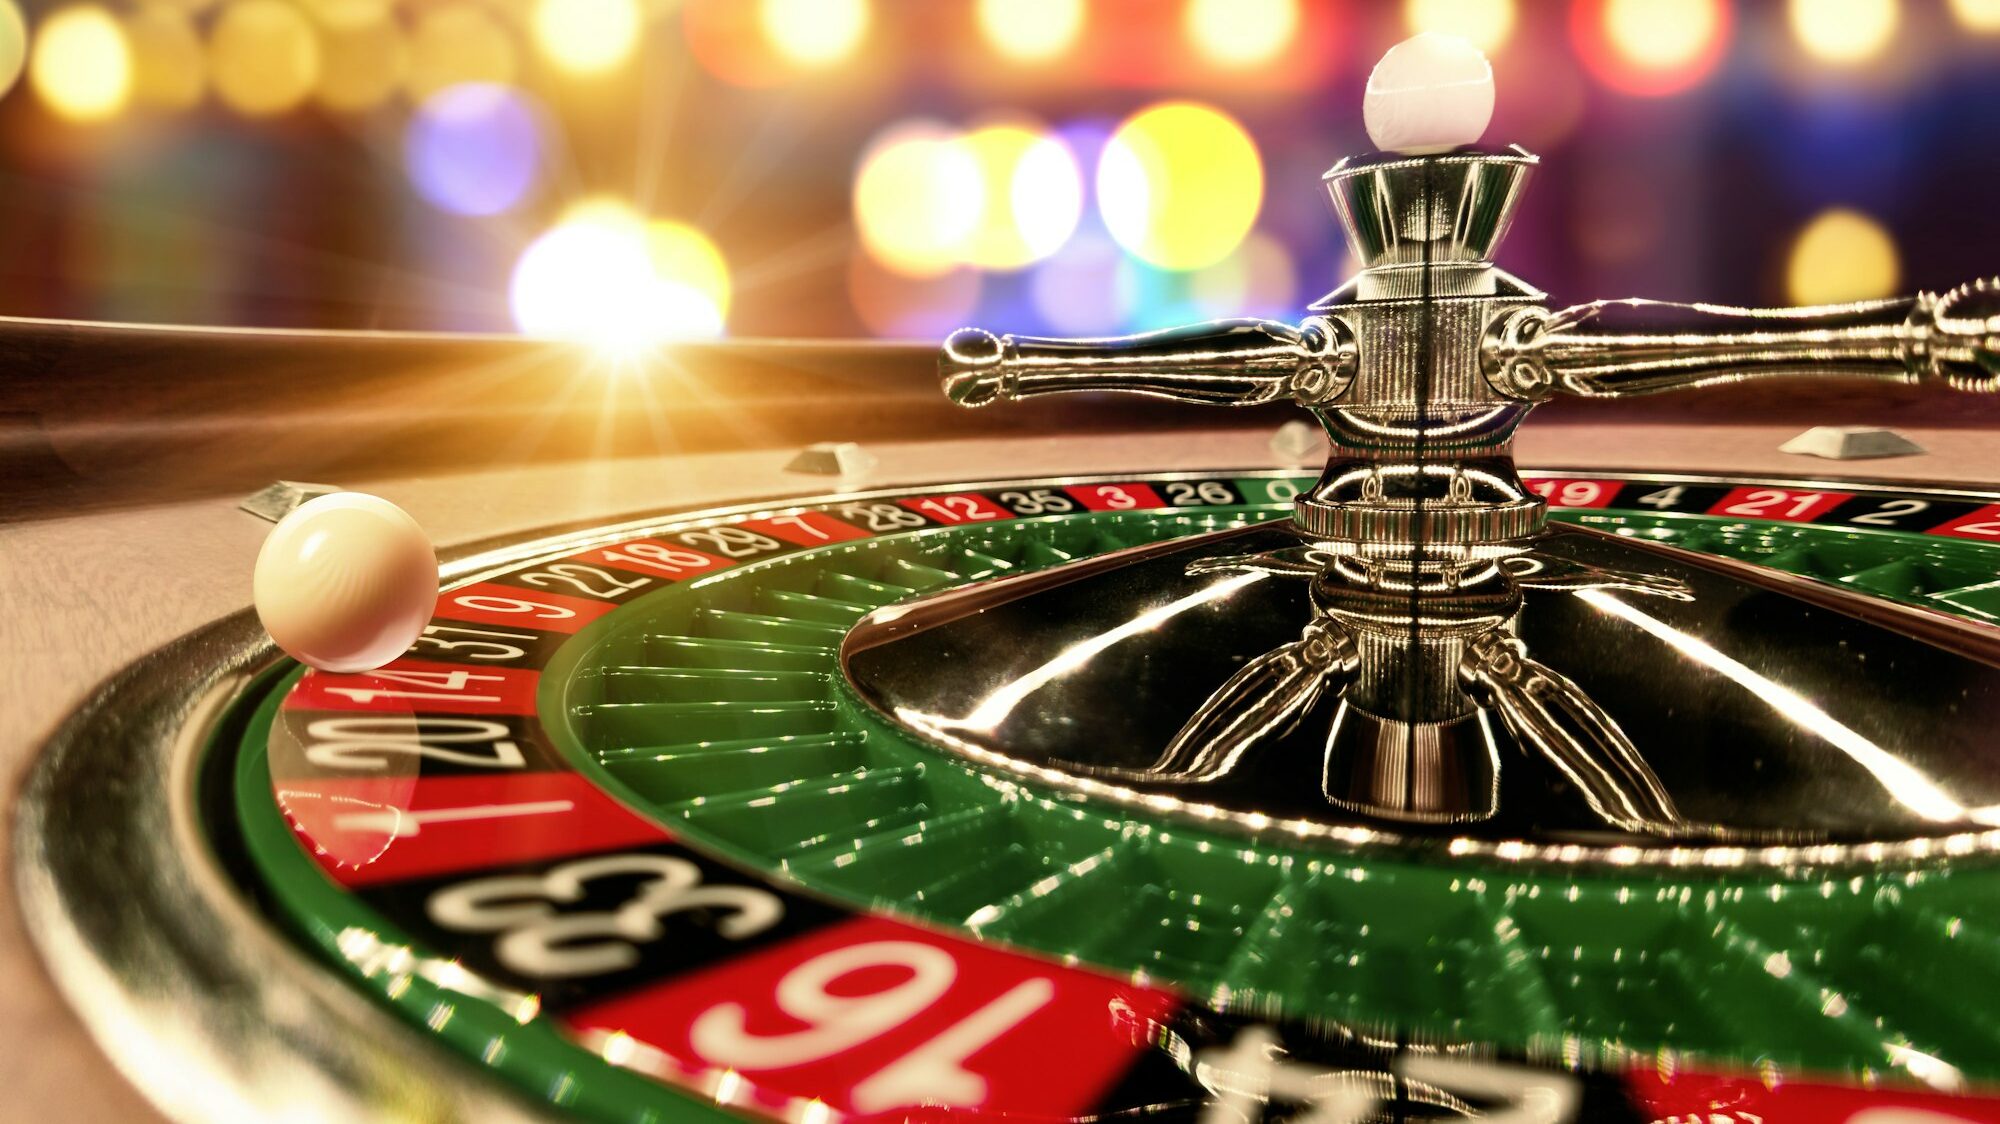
[{"x": 474, "y": 149}]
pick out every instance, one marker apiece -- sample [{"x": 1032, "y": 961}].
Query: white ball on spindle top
[
  {"x": 346, "y": 582},
  {"x": 1431, "y": 93}
]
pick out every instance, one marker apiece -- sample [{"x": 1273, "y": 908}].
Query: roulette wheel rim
[{"x": 106, "y": 957}]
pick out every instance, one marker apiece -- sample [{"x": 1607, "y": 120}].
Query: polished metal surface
[
  {"x": 1421, "y": 367},
  {"x": 1226, "y": 363},
  {"x": 1406, "y": 217},
  {"x": 1454, "y": 665},
  {"x": 202, "y": 1005},
  {"x": 1577, "y": 696},
  {"x": 1610, "y": 349}
]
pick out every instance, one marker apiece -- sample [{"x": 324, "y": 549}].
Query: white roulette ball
[
  {"x": 1430, "y": 93},
  {"x": 346, "y": 582}
]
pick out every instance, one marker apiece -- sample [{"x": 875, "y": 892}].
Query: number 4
[
  {"x": 1664, "y": 498},
  {"x": 450, "y": 685}
]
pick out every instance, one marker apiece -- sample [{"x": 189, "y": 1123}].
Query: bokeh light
[
  {"x": 1843, "y": 31},
  {"x": 726, "y": 37},
  {"x": 1545, "y": 95},
  {"x": 1031, "y": 196},
  {"x": 81, "y": 66},
  {"x": 361, "y": 64},
  {"x": 1485, "y": 23},
  {"x": 1180, "y": 184},
  {"x": 596, "y": 277},
  {"x": 473, "y": 149},
  {"x": 587, "y": 36},
  {"x": 814, "y": 33},
  {"x": 1842, "y": 255},
  {"x": 341, "y": 14},
  {"x": 897, "y": 305},
  {"x": 1650, "y": 47},
  {"x": 1258, "y": 278},
  {"x": 169, "y": 68},
  {"x": 13, "y": 45},
  {"x": 1087, "y": 289},
  {"x": 1031, "y": 31},
  {"x": 918, "y": 197},
  {"x": 683, "y": 255},
  {"x": 1982, "y": 16},
  {"x": 458, "y": 43},
  {"x": 1238, "y": 33},
  {"x": 263, "y": 57}
]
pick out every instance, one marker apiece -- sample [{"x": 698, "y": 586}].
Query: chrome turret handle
[
  {"x": 1616, "y": 349},
  {"x": 1224, "y": 363},
  {"x": 1422, "y": 365}
]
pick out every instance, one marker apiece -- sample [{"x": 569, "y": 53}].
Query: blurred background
[{"x": 637, "y": 169}]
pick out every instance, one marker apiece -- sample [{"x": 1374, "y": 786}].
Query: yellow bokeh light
[
  {"x": 81, "y": 65},
  {"x": 1977, "y": 15},
  {"x": 604, "y": 276},
  {"x": 345, "y": 15},
  {"x": 1031, "y": 196},
  {"x": 918, "y": 198},
  {"x": 1842, "y": 255},
  {"x": 362, "y": 65},
  {"x": 682, "y": 255},
  {"x": 169, "y": 69},
  {"x": 13, "y": 44},
  {"x": 457, "y": 43},
  {"x": 814, "y": 33},
  {"x": 1241, "y": 32},
  {"x": 1031, "y": 30},
  {"x": 1180, "y": 185},
  {"x": 1485, "y": 23},
  {"x": 1661, "y": 34},
  {"x": 263, "y": 56},
  {"x": 587, "y": 36},
  {"x": 602, "y": 210},
  {"x": 1844, "y": 31}
]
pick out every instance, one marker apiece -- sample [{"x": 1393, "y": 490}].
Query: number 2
[{"x": 1890, "y": 512}]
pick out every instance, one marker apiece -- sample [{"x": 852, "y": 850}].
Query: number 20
[{"x": 363, "y": 743}]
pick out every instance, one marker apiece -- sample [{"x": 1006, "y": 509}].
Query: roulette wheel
[{"x": 1109, "y": 778}]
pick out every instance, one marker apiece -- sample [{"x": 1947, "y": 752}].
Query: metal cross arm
[
  {"x": 1421, "y": 367},
  {"x": 1224, "y": 363},
  {"x": 1613, "y": 349}
]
